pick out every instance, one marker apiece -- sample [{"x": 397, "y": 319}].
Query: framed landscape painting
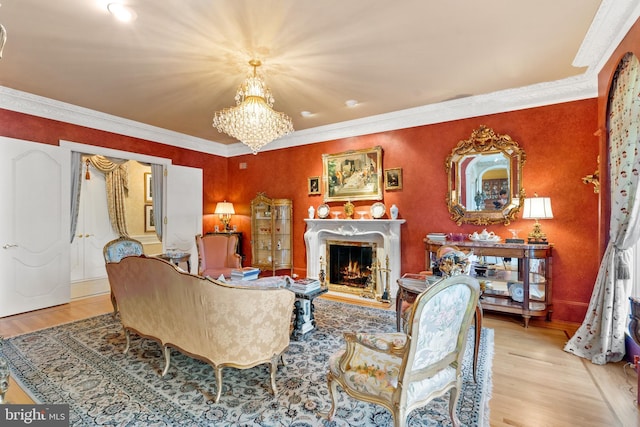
[{"x": 353, "y": 175}]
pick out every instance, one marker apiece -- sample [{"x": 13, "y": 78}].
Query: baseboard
[{"x": 89, "y": 288}]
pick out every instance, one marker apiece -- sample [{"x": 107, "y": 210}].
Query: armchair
[
  {"x": 217, "y": 254},
  {"x": 114, "y": 251},
  {"x": 403, "y": 371}
]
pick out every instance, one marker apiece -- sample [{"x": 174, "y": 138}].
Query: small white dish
[
  {"x": 378, "y": 210},
  {"x": 323, "y": 211}
]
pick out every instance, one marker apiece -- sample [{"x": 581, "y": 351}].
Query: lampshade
[
  {"x": 252, "y": 121},
  {"x": 537, "y": 208},
  {"x": 224, "y": 208}
]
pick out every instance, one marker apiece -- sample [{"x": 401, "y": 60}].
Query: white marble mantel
[{"x": 384, "y": 232}]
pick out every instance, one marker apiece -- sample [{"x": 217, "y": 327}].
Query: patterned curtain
[
  {"x": 600, "y": 338},
  {"x": 116, "y": 177},
  {"x": 76, "y": 184}
]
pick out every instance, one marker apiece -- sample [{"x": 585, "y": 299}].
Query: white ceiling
[{"x": 182, "y": 60}]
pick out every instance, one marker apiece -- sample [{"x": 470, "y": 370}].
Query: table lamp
[
  {"x": 224, "y": 210},
  {"x": 537, "y": 208}
]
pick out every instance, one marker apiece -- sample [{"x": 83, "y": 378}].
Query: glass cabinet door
[
  {"x": 282, "y": 234},
  {"x": 271, "y": 237}
]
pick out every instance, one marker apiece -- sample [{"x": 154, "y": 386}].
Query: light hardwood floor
[{"x": 535, "y": 383}]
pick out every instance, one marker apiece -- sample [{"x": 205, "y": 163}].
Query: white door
[
  {"x": 183, "y": 210},
  {"x": 94, "y": 229},
  {"x": 34, "y": 226}
]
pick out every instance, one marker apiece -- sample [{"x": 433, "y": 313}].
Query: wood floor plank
[{"x": 535, "y": 382}]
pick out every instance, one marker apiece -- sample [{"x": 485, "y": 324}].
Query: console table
[{"x": 500, "y": 300}]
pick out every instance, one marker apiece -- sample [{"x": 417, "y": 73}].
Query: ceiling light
[
  {"x": 351, "y": 103},
  {"x": 252, "y": 121},
  {"x": 121, "y": 12},
  {"x": 306, "y": 113}
]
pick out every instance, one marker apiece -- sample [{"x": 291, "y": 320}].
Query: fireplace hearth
[{"x": 350, "y": 264}]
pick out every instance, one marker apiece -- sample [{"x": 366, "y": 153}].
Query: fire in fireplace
[{"x": 349, "y": 264}]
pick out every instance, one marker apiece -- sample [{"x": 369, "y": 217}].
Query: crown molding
[
  {"x": 610, "y": 25},
  {"x": 565, "y": 90},
  {"x": 35, "y": 105}
]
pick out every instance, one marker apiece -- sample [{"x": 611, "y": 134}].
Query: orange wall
[
  {"x": 560, "y": 147},
  {"x": 558, "y": 141}
]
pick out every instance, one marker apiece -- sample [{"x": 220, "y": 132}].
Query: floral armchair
[
  {"x": 117, "y": 249},
  {"x": 403, "y": 371}
]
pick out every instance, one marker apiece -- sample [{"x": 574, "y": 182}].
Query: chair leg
[
  {"x": 218, "y": 370},
  {"x": 114, "y": 303},
  {"x": 274, "y": 369},
  {"x": 454, "y": 394},
  {"x": 128, "y": 338},
  {"x": 333, "y": 393},
  {"x": 476, "y": 345},
  {"x": 167, "y": 359}
]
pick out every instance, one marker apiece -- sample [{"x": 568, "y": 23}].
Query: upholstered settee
[
  {"x": 223, "y": 325},
  {"x": 217, "y": 254}
]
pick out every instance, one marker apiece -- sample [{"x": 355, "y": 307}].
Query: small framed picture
[
  {"x": 149, "y": 221},
  {"x": 393, "y": 179},
  {"x": 314, "y": 185},
  {"x": 148, "y": 193}
]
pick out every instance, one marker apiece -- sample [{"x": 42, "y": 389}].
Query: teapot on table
[{"x": 485, "y": 235}]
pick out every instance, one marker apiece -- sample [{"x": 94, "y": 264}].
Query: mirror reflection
[{"x": 485, "y": 179}]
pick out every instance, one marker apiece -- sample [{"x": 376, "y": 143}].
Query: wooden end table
[{"x": 177, "y": 258}]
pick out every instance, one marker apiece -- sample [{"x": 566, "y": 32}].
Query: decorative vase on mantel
[
  {"x": 394, "y": 212},
  {"x": 4, "y": 374}
]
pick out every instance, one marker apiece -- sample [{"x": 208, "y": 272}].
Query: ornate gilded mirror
[{"x": 485, "y": 179}]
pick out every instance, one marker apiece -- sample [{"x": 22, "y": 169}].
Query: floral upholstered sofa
[{"x": 221, "y": 324}]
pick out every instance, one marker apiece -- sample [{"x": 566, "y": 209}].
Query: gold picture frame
[
  {"x": 148, "y": 192},
  {"x": 313, "y": 185},
  {"x": 393, "y": 179},
  {"x": 353, "y": 175},
  {"x": 149, "y": 221}
]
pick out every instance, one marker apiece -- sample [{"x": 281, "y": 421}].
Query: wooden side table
[
  {"x": 177, "y": 258},
  {"x": 410, "y": 285}
]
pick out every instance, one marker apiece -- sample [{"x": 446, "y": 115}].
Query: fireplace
[
  {"x": 382, "y": 235},
  {"x": 350, "y": 265}
]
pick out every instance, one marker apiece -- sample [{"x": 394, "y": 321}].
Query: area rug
[{"x": 82, "y": 364}]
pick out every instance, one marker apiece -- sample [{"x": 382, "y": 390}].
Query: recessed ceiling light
[
  {"x": 306, "y": 113},
  {"x": 121, "y": 12},
  {"x": 351, "y": 103}
]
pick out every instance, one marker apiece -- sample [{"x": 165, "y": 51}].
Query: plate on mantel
[
  {"x": 323, "y": 211},
  {"x": 378, "y": 210}
]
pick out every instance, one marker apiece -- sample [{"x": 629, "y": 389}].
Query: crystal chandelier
[{"x": 252, "y": 121}]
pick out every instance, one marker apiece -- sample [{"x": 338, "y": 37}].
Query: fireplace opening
[{"x": 350, "y": 263}]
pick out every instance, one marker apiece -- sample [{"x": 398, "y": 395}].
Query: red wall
[
  {"x": 560, "y": 147},
  {"x": 558, "y": 141}
]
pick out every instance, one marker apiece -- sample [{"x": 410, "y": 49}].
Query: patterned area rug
[{"x": 82, "y": 364}]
